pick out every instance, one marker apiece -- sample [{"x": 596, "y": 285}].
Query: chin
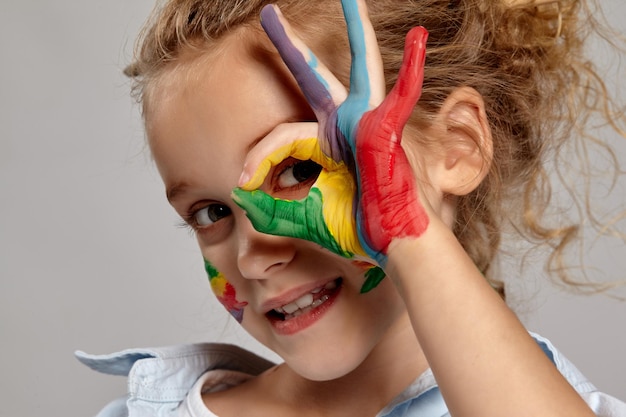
[
  {"x": 327, "y": 363},
  {"x": 322, "y": 372}
]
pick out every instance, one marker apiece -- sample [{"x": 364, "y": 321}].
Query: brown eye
[
  {"x": 210, "y": 214},
  {"x": 297, "y": 173}
]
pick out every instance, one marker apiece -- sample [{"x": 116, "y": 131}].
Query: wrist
[{"x": 417, "y": 258}]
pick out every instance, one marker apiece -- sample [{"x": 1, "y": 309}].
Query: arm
[{"x": 483, "y": 359}]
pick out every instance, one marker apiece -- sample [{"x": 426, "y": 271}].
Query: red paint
[
  {"x": 389, "y": 191},
  {"x": 229, "y": 299}
]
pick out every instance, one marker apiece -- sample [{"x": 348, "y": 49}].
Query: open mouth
[{"x": 310, "y": 301}]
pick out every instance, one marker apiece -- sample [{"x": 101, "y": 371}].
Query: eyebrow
[
  {"x": 180, "y": 187},
  {"x": 172, "y": 192},
  {"x": 264, "y": 134}
]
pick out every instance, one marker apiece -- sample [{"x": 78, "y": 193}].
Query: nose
[{"x": 260, "y": 255}]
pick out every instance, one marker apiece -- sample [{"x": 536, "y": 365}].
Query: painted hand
[
  {"x": 325, "y": 215},
  {"x": 358, "y": 132}
]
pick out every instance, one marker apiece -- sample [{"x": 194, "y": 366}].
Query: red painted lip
[{"x": 304, "y": 320}]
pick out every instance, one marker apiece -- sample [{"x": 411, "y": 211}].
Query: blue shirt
[{"x": 169, "y": 382}]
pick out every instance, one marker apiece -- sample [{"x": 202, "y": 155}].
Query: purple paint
[{"x": 314, "y": 90}]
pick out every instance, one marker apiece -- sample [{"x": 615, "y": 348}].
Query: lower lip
[{"x": 304, "y": 320}]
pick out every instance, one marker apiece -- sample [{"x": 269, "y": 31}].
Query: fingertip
[
  {"x": 241, "y": 197},
  {"x": 414, "y": 54},
  {"x": 244, "y": 179},
  {"x": 270, "y": 17},
  {"x": 269, "y": 10},
  {"x": 234, "y": 194},
  {"x": 417, "y": 37},
  {"x": 418, "y": 32}
]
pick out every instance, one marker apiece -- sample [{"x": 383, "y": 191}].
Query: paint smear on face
[{"x": 225, "y": 292}]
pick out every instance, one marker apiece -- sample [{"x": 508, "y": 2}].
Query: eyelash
[
  {"x": 184, "y": 223},
  {"x": 290, "y": 164},
  {"x": 189, "y": 221}
]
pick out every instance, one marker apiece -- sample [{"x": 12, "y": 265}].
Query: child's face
[{"x": 200, "y": 130}]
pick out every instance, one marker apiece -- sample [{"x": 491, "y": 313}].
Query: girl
[{"x": 348, "y": 218}]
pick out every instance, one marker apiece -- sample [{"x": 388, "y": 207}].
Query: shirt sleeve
[{"x": 603, "y": 405}]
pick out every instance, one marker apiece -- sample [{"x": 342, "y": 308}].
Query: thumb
[{"x": 302, "y": 219}]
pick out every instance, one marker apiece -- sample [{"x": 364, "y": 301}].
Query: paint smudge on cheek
[{"x": 225, "y": 292}]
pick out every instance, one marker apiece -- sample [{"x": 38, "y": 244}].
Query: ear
[{"x": 464, "y": 142}]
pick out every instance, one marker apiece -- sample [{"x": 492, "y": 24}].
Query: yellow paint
[
  {"x": 302, "y": 149},
  {"x": 218, "y": 284},
  {"x": 338, "y": 190},
  {"x": 335, "y": 183}
]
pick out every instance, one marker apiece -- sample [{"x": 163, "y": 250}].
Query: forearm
[{"x": 484, "y": 360}]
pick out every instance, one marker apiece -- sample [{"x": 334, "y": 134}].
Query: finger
[
  {"x": 320, "y": 87},
  {"x": 296, "y": 140},
  {"x": 338, "y": 189},
  {"x": 367, "y": 80},
  {"x": 397, "y": 107},
  {"x": 269, "y": 215},
  {"x": 302, "y": 219}
]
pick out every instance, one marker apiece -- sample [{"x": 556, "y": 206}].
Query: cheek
[{"x": 225, "y": 292}]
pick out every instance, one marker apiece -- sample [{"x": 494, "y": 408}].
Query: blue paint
[
  {"x": 315, "y": 92},
  {"x": 357, "y": 103},
  {"x": 314, "y": 64}
]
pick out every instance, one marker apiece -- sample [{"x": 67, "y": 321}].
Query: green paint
[
  {"x": 210, "y": 270},
  {"x": 302, "y": 219},
  {"x": 373, "y": 277},
  {"x": 225, "y": 292}
]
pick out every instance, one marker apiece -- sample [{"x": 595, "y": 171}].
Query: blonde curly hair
[{"x": 525, "y": 58}]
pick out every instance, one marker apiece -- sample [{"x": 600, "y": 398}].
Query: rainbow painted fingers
[{"x": 354, "y": 215}]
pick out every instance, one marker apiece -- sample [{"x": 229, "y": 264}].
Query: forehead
[
  {"x": 194, "y": 66},
  {"x": 229, "y": 63},
  {"x": 219, "y": 103}
]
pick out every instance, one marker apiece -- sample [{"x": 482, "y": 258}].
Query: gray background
[{"x": 90, "y": 257}]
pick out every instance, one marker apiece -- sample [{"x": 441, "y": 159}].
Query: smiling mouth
[{"x": 306, "y": 303}]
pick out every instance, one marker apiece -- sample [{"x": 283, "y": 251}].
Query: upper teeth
[
  {"x": 305, "y": 301},
  {"x": 302, "y": 302}
]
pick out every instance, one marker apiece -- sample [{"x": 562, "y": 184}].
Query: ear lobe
[{"x": 466, "y": 143}]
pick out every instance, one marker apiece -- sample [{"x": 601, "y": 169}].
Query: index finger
[
  {"x": 296, "y": 140},
  {"x": 320, "y": 87}
]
